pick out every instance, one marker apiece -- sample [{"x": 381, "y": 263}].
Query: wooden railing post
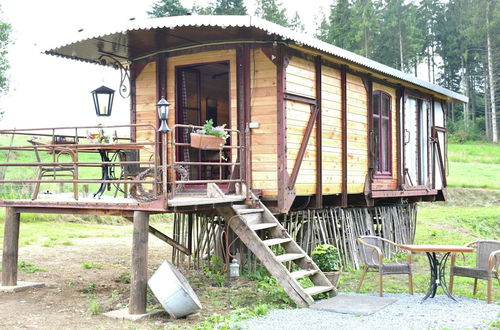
[
  {"x": 10, "y": 247},
  {"x": 139, "y": 278}
]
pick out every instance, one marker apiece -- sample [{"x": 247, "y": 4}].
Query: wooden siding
[
  {"x": 332, "y": 153},
  {"x": 145, "y": 86},
  {"x": 357, "y": 137},
  {"x": 263, "y": 111},
  {"x": 389, "y": 184},
  {"x": 301, "y": 80}
]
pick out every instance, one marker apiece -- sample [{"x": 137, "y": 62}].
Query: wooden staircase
[{"x": 259, "y": 230}]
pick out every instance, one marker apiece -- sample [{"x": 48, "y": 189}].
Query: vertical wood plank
[
  {"x": 344, "y": 133},
  {"x": 319, "y": 136},
  {"x": 10, "y": 247},
  {"x": 138, "y": 282}
]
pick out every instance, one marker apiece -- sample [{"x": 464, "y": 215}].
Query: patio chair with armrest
[
  {"x": 56, "y": 170},
  {"x": 370, "y": 251},
  {"x": 487, "y": 265}
]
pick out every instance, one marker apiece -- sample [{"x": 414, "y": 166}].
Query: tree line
[{"x": 456, "y": 43}]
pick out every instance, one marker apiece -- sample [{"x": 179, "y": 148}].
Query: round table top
[{"x": 436, "y": 248}]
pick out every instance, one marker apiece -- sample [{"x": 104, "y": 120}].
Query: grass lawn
[{"x": 474, "y": 165}]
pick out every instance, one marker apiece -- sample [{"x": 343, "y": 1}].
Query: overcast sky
[{"x": 47, "y": 91}]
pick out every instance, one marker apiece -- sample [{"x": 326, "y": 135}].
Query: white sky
[{"x": 47, "y": 91}]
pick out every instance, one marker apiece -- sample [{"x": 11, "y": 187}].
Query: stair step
[
  {"x": 303, "y": 273},
  {"x": 265, "y": 225},
  {"x": 247, "y": 211},
  {"x": 276, "y": 241},
  {"x": 289, "y": 257},
  {"x": 317, "y": 289}
]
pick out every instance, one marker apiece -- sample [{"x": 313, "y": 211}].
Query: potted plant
[
  {"x": 209, "y": 137},
  {"x": 327, "y": 257}
]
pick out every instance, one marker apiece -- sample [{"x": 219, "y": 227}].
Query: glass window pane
[
  {"x": 386, "y": 106},
  {"x": 385, "y": 146},
  {"x": 376, "y": 103}
]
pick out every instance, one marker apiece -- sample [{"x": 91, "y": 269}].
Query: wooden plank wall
[
  {"x": 389, "y": 184},
  {"x": 331, "y": 109},
  {"x": 145, "y": 87},
  {"x": 301, "y": 80},
  {"x": 357, "y": 137},
  {"x": 263, "y": 111}
]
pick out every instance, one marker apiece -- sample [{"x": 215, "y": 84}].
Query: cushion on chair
[
  {"x": 396, "y": 269},
  {"x": 471, "y": 272}
]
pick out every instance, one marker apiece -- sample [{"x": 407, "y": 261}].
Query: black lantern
[
  {"x": 103, "y": 100},
  {"x": 163, "y": 107}
]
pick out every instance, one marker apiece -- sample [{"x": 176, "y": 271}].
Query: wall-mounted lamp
[
  {"x": 163, "y": 108},
  {"x": 103, "y": 100}
]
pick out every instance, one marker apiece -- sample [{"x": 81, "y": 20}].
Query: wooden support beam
[
  {"x": 10, "y": 247},
  {"x": 318, "y": 202},
  {"x": 285, "y": 195},
  {"x": 303, "y": 147},
  {"x": 167, "y": 239},
  {"x": 343, "y": 88},
  {"x": 139, "y": 278}
]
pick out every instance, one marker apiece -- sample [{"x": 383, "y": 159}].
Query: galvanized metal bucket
[{"x": 173, "y": 291}]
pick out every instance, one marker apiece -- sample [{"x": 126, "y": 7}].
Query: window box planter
[{"x": 207, "y": 142}]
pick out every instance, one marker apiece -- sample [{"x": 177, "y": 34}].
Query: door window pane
[{"x": 382, "y": 133}]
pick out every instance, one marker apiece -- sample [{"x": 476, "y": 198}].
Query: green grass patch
[
  {"x": 91, "y": 265},
  {"x": 474, "y": 175},
  {"x": 29, "y": 268},
  {"x": 486, "y": 153}
]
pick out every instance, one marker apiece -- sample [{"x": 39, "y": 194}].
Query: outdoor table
[
  {"x": 437, "y": 265},
  {"x": 104, "y": 150}
]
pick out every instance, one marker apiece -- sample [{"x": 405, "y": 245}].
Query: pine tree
[
  {"x": 365, "y": 24},
  {"x": 272, "y": 10},
  {"x": 229, "y": 7},
  {"x": 164, "y": 8},
  {"x": 341, "y": 31},
  {"x": 296, "y": 23}
]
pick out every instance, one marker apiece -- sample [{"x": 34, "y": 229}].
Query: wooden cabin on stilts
[{"x": 322, "y": 146}]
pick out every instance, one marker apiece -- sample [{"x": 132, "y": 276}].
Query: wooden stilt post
[
  {"x": 10, "y": 247},
  {"x": 139, "y": 278}
]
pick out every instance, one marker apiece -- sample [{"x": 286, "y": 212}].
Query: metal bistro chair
[
  {"x": 128, "y": 171},
  {"x": 370, "y": 250},
  {"x": 487, "y": 265},
  {"x": 56, "y": 170}
]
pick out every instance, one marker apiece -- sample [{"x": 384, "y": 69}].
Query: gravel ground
[{"x": 406, "y": 313}]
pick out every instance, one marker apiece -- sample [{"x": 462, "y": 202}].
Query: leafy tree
[
  {"x": 164, "y": 8},
  {"x": 272, "y": 10},
  {"x": 5, "y": 30}
]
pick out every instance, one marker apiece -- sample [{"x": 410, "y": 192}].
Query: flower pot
[
  {"x": 333, "y": 276},
  {"x": 207, "y": 142}
]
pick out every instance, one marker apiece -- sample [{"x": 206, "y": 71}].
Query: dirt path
[{"x": 70, "y": 288}]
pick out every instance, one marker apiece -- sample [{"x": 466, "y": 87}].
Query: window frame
[{"x": 378, "y": 148}]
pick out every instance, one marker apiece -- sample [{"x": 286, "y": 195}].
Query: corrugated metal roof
[{"x": 273, "y": 31}]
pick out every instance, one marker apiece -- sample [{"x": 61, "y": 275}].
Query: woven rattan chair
[
  {"x": 57, "y": 170},
  {"x": 487, "y": 265},
  {"x": 370, "y": 250}
]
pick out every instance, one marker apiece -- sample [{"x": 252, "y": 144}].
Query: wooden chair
[
  {"x": 487, "y": 265},
  {"x": 370, "y": 250},
  {"x": 56, "y": 170}
]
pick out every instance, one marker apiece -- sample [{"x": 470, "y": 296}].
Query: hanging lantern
[
  {"x": 163, "y": 108},
  {"x": 103, "y": 100}
]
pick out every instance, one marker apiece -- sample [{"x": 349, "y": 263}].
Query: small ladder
[{"x": 252, "y": 223}]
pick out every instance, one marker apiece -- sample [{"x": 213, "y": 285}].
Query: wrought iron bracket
[{"x": 108, "y": 60}]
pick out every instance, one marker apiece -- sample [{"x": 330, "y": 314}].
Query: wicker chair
[
  {"x": 128, "y": 171},
  {"x": 487, "y": 265},
  {"x": 370, "y": 250},
  {"x": 57, "y": 170}
]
